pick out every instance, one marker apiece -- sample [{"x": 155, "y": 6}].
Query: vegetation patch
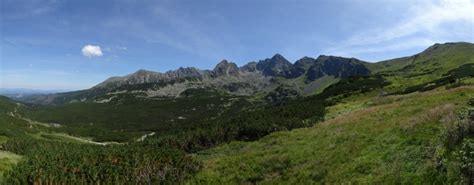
[
  {"x": 369, "y": 145},
  {"x": 7, "y": 161},
  {"x": 58, "y": 162},
  {"x": 453, "y": 78},
  {"x": 353, "y": 85}
]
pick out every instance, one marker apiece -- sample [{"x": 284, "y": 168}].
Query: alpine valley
[{"x": 324, "y": 120}]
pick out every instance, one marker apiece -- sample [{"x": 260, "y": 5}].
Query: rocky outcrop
[
  {"x": 225, "y": 68},
  {"x": 300, "y": 67},
  {"x": 338, "y": 67},
  {"x": 275, "y": 66},
  {"x": 188, "y": 72},
  {"x": 250, "y": 67}
]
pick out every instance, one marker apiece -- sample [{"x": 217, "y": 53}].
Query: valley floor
[{"x": 392, "y": 139}]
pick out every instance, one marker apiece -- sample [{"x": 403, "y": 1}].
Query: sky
[{"x": 72, "y": 45}]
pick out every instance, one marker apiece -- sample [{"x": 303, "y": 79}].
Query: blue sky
[{"x": 54, "y": 44}]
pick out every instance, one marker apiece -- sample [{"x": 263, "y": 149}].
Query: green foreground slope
[
  {"x": 386, "y": 139},
  {"x": 7, "y": 161}
]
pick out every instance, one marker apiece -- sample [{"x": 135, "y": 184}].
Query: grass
[
  {"x": 7, "y": 161},
  {"x": 388, "y": 140},
  {"x": 426, "y": 66},
  {"x": 3, "y": 139}
]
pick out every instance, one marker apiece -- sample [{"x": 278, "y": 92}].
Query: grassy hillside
[
  {"x": 393, "y": 139},
  {"x": 447, "y": 55},
  {"x": 426, "y": 66}
]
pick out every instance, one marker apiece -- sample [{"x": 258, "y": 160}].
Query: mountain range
[{"x": 304, "y": 77}]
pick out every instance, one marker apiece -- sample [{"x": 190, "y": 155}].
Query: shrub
[
  {"x": 456, "y": 131},
  {"x": 471, "y": 102},
  {"x": 66, "y": 163},
  {"x": 466, "y": 156}
]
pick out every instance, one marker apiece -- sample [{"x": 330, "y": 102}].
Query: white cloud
[
  {"x": 429, "y": 18},
  {"x": 426, "y": 23},
  {"x": 91, "y": 51}
]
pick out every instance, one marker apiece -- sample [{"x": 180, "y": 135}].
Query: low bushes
[
  {"x": 49, "y": 162},
  {"x": 450, "y": 79},
  {"x": 466, "y": 157},
  {"x": 455, "y": 157}
]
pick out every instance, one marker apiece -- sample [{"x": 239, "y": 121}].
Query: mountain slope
[
  {"x": 447, "y": 56},
  {"x": 431, "y": 64},
  {"x": 393, "y": 139}
]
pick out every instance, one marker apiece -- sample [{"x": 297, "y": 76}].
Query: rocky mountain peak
[
  {"x": 330, "y": 58},
  {"x": 184, "y": 72},
  {"x": 305, "y": 62},
  {"x": 222, "y": 64},
  {"x": 225, "y": 68},
  {"x": 338, "y": 67},
  {"x": 278, "y": 57},
  {"x": 250, "y": 67},
  {"x": 141, "y": 76},
  {"x": 324, "y": 57},
  {"x": 275, "y": 66},
  {"x": 142, "y": 72},
  {"x": 300, "y": 67}
]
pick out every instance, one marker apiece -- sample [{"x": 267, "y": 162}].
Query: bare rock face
[
  {"x": 225, "y": 68},
  {"x": 275, "y": 66},
  {"x": 188, "y": 72},
  {"x": 250, "y": 67},
  {"x": 338, "y": 67},
  {"x": 300, "y": 67},
  {"x": 139, "y": 77}
]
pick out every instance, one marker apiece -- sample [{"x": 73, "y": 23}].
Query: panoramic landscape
[{"x": 237, "y": 92}]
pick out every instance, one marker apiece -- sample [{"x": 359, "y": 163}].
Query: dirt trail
[{"x": 145, "y": 136}]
